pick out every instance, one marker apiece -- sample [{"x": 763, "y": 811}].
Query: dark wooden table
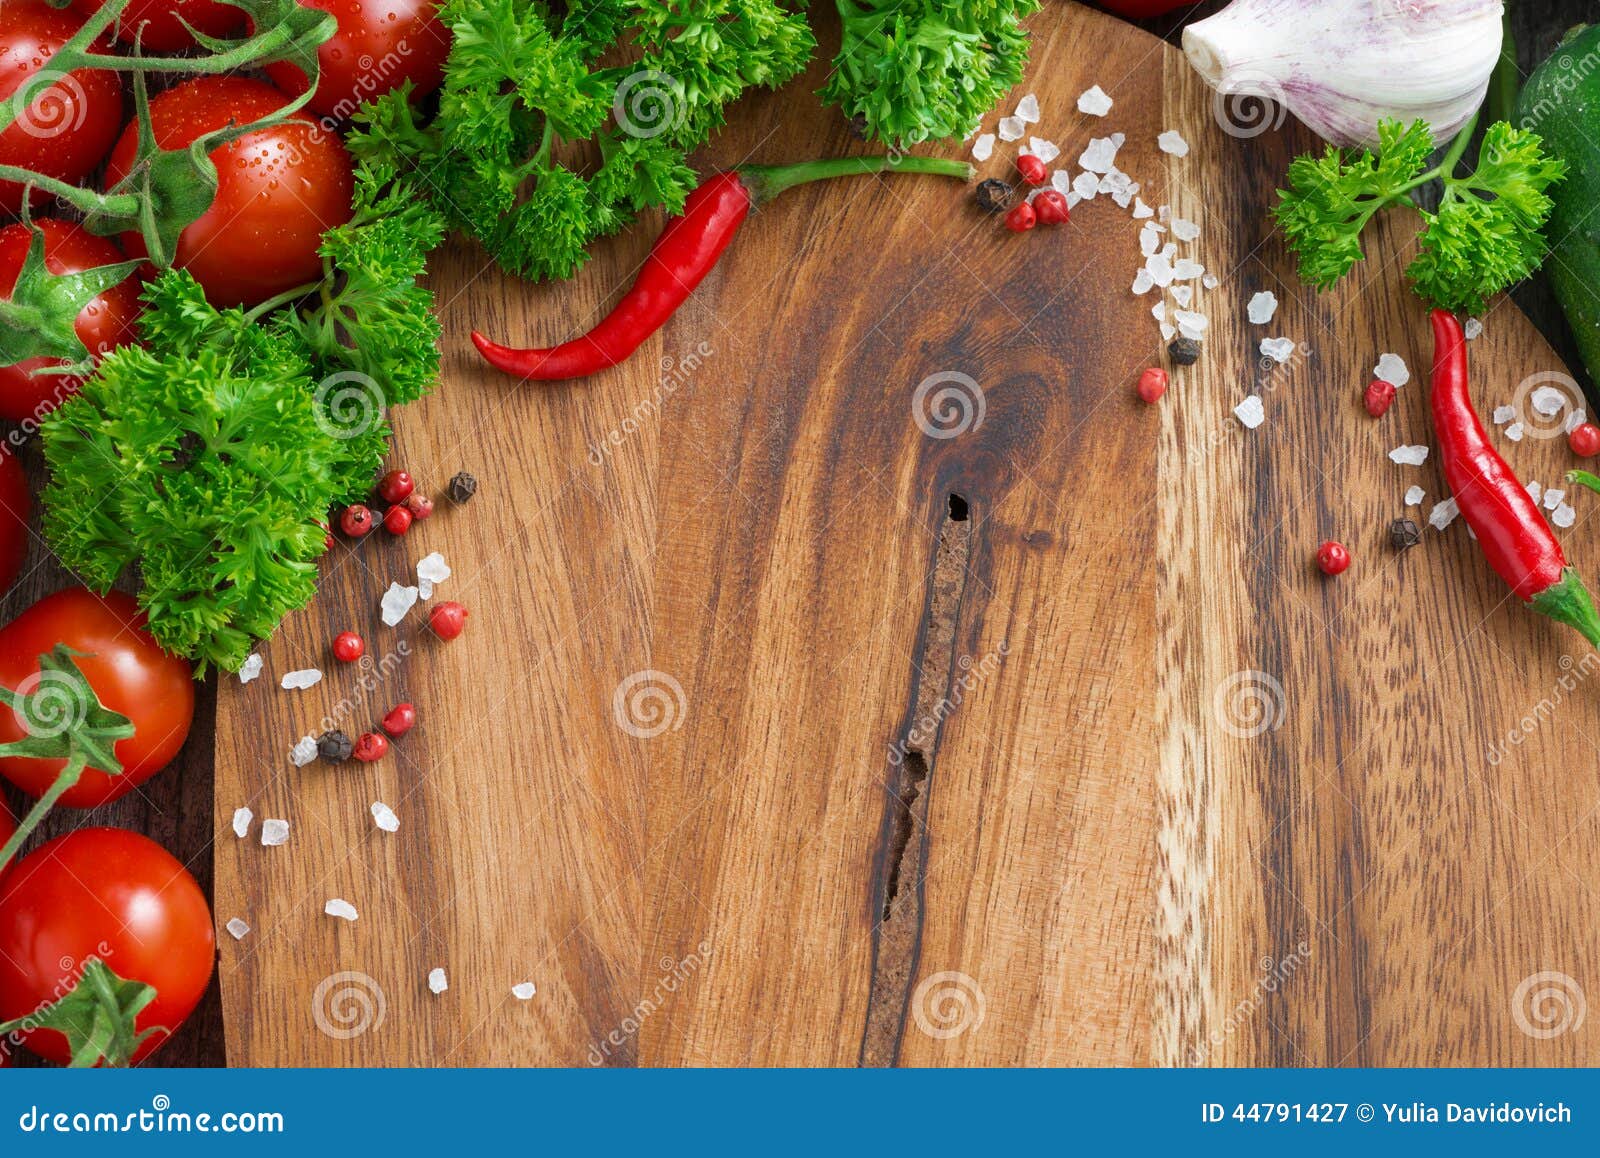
[{"x": 176, "y": 808}]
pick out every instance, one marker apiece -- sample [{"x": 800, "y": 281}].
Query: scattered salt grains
[
  {"x": 1443, "y": 514},
  {"x": 1535, "y": 490},
  {"x": 397, "y": 601},
  {"x": 1392, "y": 369},
  {"x": 1473, "y": 329},
  {"x": 274, "y": 833},
  {"x": 1168, "y": 331},
  {"x": 433, "y": 567},
  {"x": 303, "y": 752},
  {"x": 1504, "y": 414},
  {"x": 238, "y": 929},
  {"x": 425, "y": 586},
  {"x": 1211, "y": 281},
  {"x": 1164, "y": 214},
  {"x": 524, "y": 991},
  {"x": 1250, "y": 412},
  {"x": 304, "y": 678},
  {"x": 1514, "y": 432},
  {"x": 1085, "y": 186},
  {"x": 1263, "y": 308},
  {"x": 1150, "y": 239},
  {"x": 1575, "y": 419},
  {"x": 1414, "y": 496},
  {"x": 343, "y": 909},
  {"x": 1028, "y": 109},
  {"x": 1187, "y": 270},
  {"x": 1010, "y": 128},
  {"x": 1100, "y": 155},
  {"x": 1185, "y": 230},
  {"x": 1553, "y": 498},
  {"x": 1548, "y": 401},
  {"x": 983, "y": 147},
  {"x": 1192, "y": 325},
  {"x": 1183, "y": 295},
  {"x": 1564, "y": 516},
  {"x": 1169, "y": 251},
  {"x": 383, "y": 816},
  {"x": 1172, "y": 142},
  {"x": 1409, "y": 455},
  {"x": 241, "y": 822},
  {"x": 1046, "y": 151},
  {"x": 1280, "y": 350},
  {"x": 437, "y": 981},
  {"x": 1094, "y": 102},
  {"x": 1141, "y": 210},
  {"x": 1159, "y": 311},
  {"x": 1061, "y": 181},
  {"x": 250, "y": 668},
  {"x": 1160, "y": 269},
  {"x": 1143, "y": 282}
]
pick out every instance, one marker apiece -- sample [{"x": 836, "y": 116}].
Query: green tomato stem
[{"x": 70, "y": 775}]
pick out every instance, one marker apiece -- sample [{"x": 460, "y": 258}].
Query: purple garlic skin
[{"x": 1342, "y": 65}]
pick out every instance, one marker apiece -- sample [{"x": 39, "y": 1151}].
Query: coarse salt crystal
[
  {"x": 1535, "y": 490},
  {"x": 304, "y": 751},
  {"x": 396, "y": 602},
  {"x": 1118, "y": 139},
  {"x": 1443, "y": 514},
  {"x": 1164, "y": 214},
  {"x": 1183, "y": 295},
  {"x": 1575, "y": 419},
  {"x": 1159, "y": 311},
  {"x": 1094, "y": 102},
  {"x": 1263, "y": 307},
  {"x": 1086, "y": 185},
  {"x": 1280, "y": 350},
  {"x": 1061, "y": 181},
  {"x": 1149, "y": 239},
  {"x": 1564, "y": 515},
  {"x": 274, "y": 833},
  {"x": 1172, "y": 142},
  {"x": 1046, "y": 151},
  {"x": 1414, "y": 496},
  {"x": 1010, "y": 128},
  {"x": 241, "y": 822},
  {"x": 1211, "y": 281},
  {"x": 1142, "y": 282},
  {"x": 1250, "y": 412},
  {"x": 523, "y": 991},
  {"x": 1473, "y": 328},
  {"x": 341, "y": 908},
  {"x": 1548, "y": 401},
  {"x": 1514, "y": 432},
  {"x": 1168, "y": 331},
  {"x": 1409, "y": 455},
  {"x": 250, "y": 668},
  {"x": 1392, "y": 369},
  {"x": 425, "y": 586},
  {"x": 304, "y": 678},
  {"x": 1169, "y": 251},
  {"x": 983, "y": 147},
  {"x": 433, "y": 567},
  {"x": 1160, "y": 269},
  {"x": 1553, "y": 498},
  {"x": 1184, "y": 230},
  {"x": 1187, "y": 270},
  {"x": 1504, "y": 414},
  {"x": 1099, "y": 156},
  {"x": 1141, "y": 210},
  {"x": 238, "y": 929},
  {"x": 383, "y": 816},
  {"x": 437, "y": 981},
  {"x": 1191, "y": 324},
  {"x": 1028, "y": 109}
]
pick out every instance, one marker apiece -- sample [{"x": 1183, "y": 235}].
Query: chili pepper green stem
[{"x": 767, "y": 181}]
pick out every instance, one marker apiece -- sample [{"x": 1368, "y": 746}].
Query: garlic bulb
[{"x": 1340, "y": 65}]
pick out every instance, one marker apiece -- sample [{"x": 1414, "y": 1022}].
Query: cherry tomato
[
  {"x": 129, "y": 673},
  {"x": 157, "y": 26},
  {"x": 379, "y": 45},
  {"x": 278, "y": 189},
  {"x": 68, "y": 126},
  {"x": 107, "y": 894},
  {"x": 102, "y": 325},
  {"x": 14, "y": 506}
]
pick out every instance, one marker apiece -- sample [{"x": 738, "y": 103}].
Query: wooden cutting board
[{"x": 790, "y": 730}]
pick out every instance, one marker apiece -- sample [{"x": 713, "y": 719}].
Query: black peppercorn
[
  {"x": 334, "y": 747},
  {"x": 463, "y": 486},
  {"x": 858, "y": 126},
  {"x": 993, "y": 195},
  {"x": 1404, "y": 534},
  {"x": 1184, "y": 351}
]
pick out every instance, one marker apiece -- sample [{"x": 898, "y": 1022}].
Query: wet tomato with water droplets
[
  {"x": 158, "y": 25},
  {"x": 379, "y": 45}
]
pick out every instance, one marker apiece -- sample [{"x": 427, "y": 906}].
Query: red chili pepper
[
  {"x": 685, "y": 252},
  {"x": 1512, "y": 533}
]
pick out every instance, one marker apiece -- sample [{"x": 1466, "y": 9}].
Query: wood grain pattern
[{"x": 867, "y": 805}]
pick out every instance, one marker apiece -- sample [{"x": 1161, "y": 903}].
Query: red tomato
[
  {"x": 104, "y": 324},
  {"x": 127, "y": 670},
  {"x": 379, "y": 45},
  {"x": 157, "y": 23},
  {"x": 14, "y": 506},
  {"x": 68, "y": 126},
  {"x": 107, "y": 894},
  {"x": 278, "y": 189}
]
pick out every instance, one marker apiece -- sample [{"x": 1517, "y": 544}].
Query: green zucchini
[{"x": 1561, "y": 102}]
